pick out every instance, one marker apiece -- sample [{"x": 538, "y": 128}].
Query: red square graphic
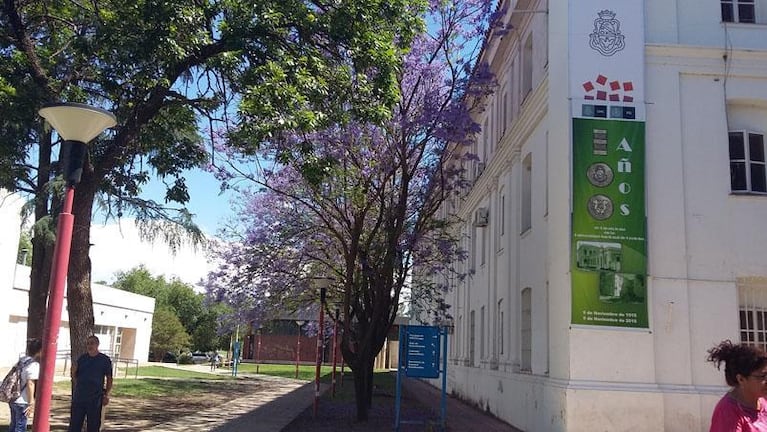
[
  {"x": 628, "y": 86},
  {"x": 601, "y": 79},
  {"x": 601, "y": 95},
  {"x": 588, "y": 86},
  {"x": 615, "y": 85}
]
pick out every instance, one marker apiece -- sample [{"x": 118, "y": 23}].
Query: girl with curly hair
[{"x": 744, "y": 408}]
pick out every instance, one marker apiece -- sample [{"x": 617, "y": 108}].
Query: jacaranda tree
[
  {"x": 361, "y": 202},
  {"x": 169, "y": 69}
]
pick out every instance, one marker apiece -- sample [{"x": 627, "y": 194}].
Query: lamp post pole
[
  {"x": 298, "y": 346},
  {"x": 320, "y": 336},
  {"x": 76, "y": 125},
  {"x": 258, "y": 351},
  {"x": 335, "y": 349}
]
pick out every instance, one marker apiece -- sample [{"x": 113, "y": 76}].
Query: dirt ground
[{"x": 132, "y": 414}]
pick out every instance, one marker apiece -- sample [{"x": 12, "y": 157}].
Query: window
[
  {"x": 472, "y": 248},
  {"x": 739, "y": 11},
  {"x": 482, "y": 332},
  {"x": 486, "y": 141},
  {"x": 500, "y": 327},
  {"x": 527, "y": 67},
  {"x": 483, "y": 247},
  {"x": 512, "y": 88},
  {"x": 505, "y": 111},
  {"x": 502, "y": 219},
  {"x": 527, "y": 194},
  {"x": 526, "y": 330},
  {"x": 472, "y": 330},
  {"x": 747, "y": 163},
  {"x": 753, "y": 312}
]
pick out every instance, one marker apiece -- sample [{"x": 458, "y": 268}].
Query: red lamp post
[
  {"x": 323, "y": 284},
  {"x": 76, "y": 125},
  {"x": 258, "y": 351},
  {"x": 335, "y": 349},
  {"x": 298, "y": 346}
]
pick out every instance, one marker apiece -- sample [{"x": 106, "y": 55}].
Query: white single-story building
[{"x": 123, "y": 319}]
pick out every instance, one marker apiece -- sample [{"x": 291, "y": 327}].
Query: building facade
[
  {"x": 612, "y": 219},
  {"x": 123, "y": 319}
]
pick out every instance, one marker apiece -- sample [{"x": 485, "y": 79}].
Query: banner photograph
[
  {"x": 609, "y": 261},
  {"x": 608, "y": 244}
]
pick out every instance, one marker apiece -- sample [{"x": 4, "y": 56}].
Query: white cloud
[{"x": 118, "y": 247}]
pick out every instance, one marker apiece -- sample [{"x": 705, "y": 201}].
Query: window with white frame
[
  {"x": 512, "y": 85},
  {"x": 526, "y": 330},
  {"x": 472, "y": 334},
  {"x": 500, "y": 326},
  {"x": 527, "y": 194},
  {"x": 752, "y": 296},
  {"x": 739, "y": 11},
  {"x": 505, "y": 112},
  {"x": 747, "y": 162},
  {"x": 472, "y": 248},
  {"x": 527, "y": 67},
  {"x": 483, "y": 247},
  {"x": 482, "y": 332}
]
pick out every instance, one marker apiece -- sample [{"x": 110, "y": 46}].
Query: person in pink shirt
[{"x": 744, "y": 407}]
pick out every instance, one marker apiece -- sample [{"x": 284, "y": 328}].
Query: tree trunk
[
  {"x": 79, "y": 297},
  {"x": 39, "y": 279},
  {"x": 42, "y": 245},
  {"x": 363, "y": 385}
]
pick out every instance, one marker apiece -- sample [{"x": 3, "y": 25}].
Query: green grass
[
  {"x": 384, "y": 382},
  {"x": 305, "y": 372},
  {"x": 160, "y": 380},
  {"x": 166, "y": 372}
]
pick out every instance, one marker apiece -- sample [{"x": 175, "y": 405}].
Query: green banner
[{"x": 609, "y": 253}]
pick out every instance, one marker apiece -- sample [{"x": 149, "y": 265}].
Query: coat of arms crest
[{"x": 607, "y": 38}]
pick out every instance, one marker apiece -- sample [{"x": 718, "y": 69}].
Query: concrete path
[{"x": 263, "y": 411}]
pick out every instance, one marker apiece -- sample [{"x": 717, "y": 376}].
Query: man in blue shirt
[{"x": 89, "y": 391}]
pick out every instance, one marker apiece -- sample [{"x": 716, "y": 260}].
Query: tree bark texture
[
  {"x": 79, "y": 297},
  {"x": 42, "y": 246}
]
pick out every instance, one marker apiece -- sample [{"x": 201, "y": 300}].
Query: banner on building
[{"x": 609, "y": 246}]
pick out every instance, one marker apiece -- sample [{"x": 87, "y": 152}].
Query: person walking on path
[
  {"x": 744, "y": 407},
  {"x": 22, "y": 408},
  {"x": 90, "y": 392},
  {"x": 214, "y": 360}
]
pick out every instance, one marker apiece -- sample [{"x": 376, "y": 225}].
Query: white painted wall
[
  {"x": 112, "y": 307},
  {"x": 701, "y": 238}
]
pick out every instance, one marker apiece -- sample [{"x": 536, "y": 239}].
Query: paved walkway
[
  {"x": 461, "y": 416},
  {"x": 264, "y": 411},
  {"x": 273, "y": 411}
]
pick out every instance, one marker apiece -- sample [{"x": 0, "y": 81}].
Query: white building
[
  {"x": 123, "y": 319},
  {"x": 613, "y": 220}
]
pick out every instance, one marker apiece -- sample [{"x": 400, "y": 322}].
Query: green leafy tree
[
  {"x": 168, "y": 334},
  {"x": 205, "y": 336},
  {"x": 198, "y": 320},
  {"x": 165, "y": 68},
  {"x": 25, "y": 249}
]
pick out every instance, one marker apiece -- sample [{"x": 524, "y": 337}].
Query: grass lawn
[{"x": 305, "y": 372}]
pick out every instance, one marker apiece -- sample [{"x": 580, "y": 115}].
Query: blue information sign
[{"x": 421, "y": 351}]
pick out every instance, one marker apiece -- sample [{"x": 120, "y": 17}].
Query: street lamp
[
  {"x": 322, "y": 284},
  {"x": 335, "y": 349},
  {"x": 298, "y": 345},
  {"x": 76, "y": 124}
]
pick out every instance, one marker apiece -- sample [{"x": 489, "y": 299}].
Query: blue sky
[{"x": 206, "y": 203}]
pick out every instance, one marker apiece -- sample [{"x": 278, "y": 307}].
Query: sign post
[{"x": 419, "y": 357}]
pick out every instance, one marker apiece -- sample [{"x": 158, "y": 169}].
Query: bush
[{"x": 185, "y": 359}]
